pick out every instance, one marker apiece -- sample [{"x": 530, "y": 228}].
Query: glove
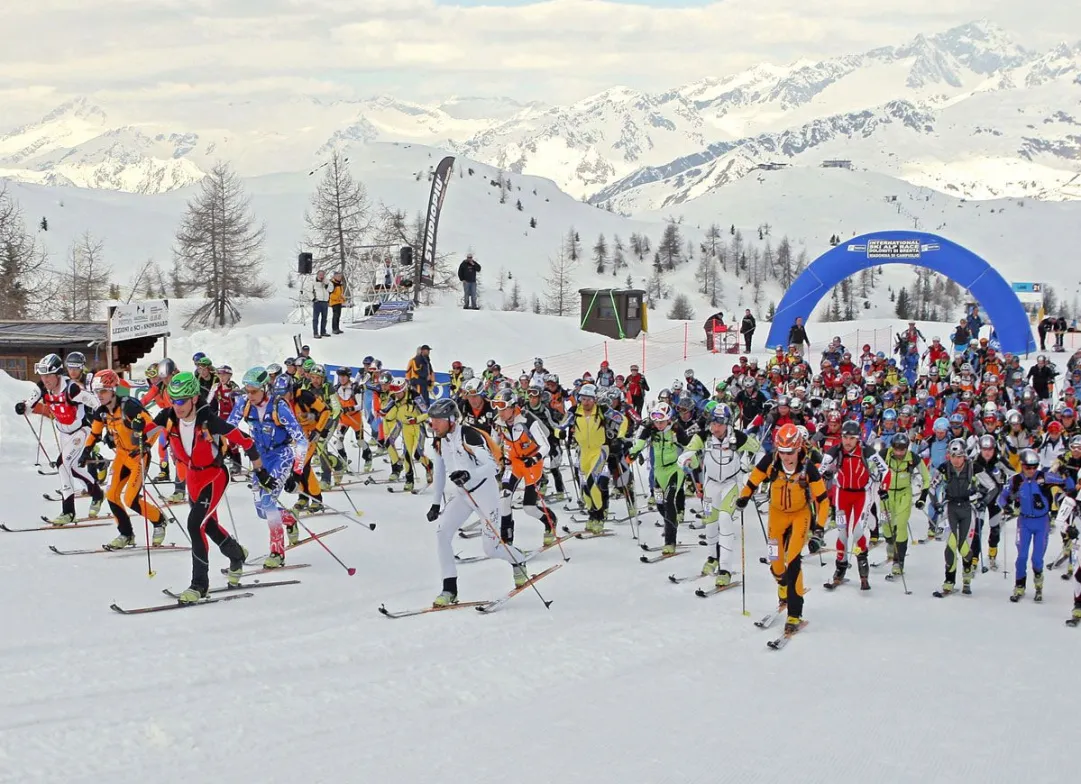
[
  {"x": 20, "y": 408},
  {"x": 290, "y": 485},
  {"x": 742, "y": 501},
  {"x": 266, "y": 481},
  {"x": 530, "y": 461},
  {"x": 641, "y": 458},
  {"x": 815, "y": 543},
  {"x": 922, "y": 500},
  {"x": 459, "y": 477},
  {"x": 433, "y": 513},
  {"x": 138, "y": 440},
  {"x": 884, "y": 494},
  {"x": 84, "y": 456}
]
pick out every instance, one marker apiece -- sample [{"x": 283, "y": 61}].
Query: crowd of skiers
[{"x": 852, "y": 444}]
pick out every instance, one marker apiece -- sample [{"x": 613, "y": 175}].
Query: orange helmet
[
  {"x": 105, "y": 379},
  {"x": 788, "y": 438}
]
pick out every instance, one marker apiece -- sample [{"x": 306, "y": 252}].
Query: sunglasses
[
  {"x": 1029, "y": 467},
  {"x": 180, "y": 401}
]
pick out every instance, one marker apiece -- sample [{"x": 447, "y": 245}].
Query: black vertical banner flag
[{"x": 440, "y": 181}]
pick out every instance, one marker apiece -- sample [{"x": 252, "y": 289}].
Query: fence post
[
  {"x": 643, "y": 352},
  {"x": 606, "y": 351},
  {"x": 685, "y": 331}
]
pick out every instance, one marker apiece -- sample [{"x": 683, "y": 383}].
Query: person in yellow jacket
[
  {"x": 798, "y": 507},
  {"x": 313, "y": 415},
  {"x": 129, "y": 427},
  {"x": 337, "y": 301},
  {"x": 403, "y": 416},
  {"x": 587, "y": 423}
]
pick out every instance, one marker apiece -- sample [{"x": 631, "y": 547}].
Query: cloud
[{"x": 552, "y": 50}]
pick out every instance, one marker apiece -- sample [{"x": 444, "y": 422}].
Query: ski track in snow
[{"x": 625, "y": 678}]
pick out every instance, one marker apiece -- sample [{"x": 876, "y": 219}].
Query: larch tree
[
  {"x": 600, "y": 254},
  {"x": 88, "y": 277},
  {"x": 27, "y": 287},
  {"x": 560, "y": 294},
  {"x": 219, "y": 249},
  {"x": 338, "y": 219}
]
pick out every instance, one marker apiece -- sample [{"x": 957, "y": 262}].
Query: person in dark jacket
[
  {"x": 1060, "y": 333},
  {"x": 1047, "y": 324},
  {"x": 714, "y": 321},
  {"x": 797, "y": 335},
  {"x": 419, "y": 374},
  {"x": 467, "y": 274},
  {"x": 1042, "y": 376},
  {"x": 746, "y": 328}
]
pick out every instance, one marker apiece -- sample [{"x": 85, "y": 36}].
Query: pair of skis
[
  {"x": 486, "y": 607},
  {"x": 214, "y": 596},
  {"x": 700, "y": 592},
  {"x": 771, "y": 618}
]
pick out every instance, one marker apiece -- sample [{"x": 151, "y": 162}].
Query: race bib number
[
  {"x": 1065, "y": 510},
  {"x": 658, "y": 495},
  {"x": 707, "y": 506},
  {"x": 773, "y": 550}
]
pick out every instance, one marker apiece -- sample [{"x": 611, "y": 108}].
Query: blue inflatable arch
[{"x": 995, "y": 295}]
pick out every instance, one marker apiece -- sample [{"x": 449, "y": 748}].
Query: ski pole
[
  {"x": 37, "y": 437},
  {"x": 146, "y": 520},
  {"x": 52, "y": 463},
  {"x": 549, "y": 514},
  {"x": 484, "y": 519},
  {"x": 348, "y": 569},
  {"x": 229, "y": 509},
  {"x": 743, "y": 562},
  {"x": 168, "y": 512},
  {"x": 346, "y": 515}
]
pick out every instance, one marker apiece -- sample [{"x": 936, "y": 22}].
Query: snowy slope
[{"x": 626, "y": 677}]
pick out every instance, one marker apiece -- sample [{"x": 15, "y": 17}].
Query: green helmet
[
  {"x": 182, "y": 386},
  {"x": 256, "y": 377},
  {"x": 205, "y": 362},
  {"x": 309, "y": 363}
]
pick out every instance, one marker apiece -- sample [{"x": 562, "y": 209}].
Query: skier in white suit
[
  {"x": 722, "y": 456},
  {"x": 468, "y": 457}
]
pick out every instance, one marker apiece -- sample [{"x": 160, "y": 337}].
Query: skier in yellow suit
[
  {"x": 798, "y": 506},
  {"x": 589, "y": 433},
  {"x": 402, "y": 416}
]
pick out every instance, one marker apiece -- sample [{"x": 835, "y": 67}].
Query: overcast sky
[{"x": 125, "y": 52}]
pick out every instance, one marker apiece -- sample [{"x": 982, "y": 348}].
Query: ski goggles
[
  {"x": 658, "y": 416},
  {"x": 500, "y": 405},
  {"x": 181, "y": 401}
]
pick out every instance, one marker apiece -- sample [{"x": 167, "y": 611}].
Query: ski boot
[
  {"x": 407, "y": 487},
  {"x": 992, "y": 558},
  {"x": 839, "y": 573},
  {"x": 315, "y": 506},
  {"x": 1038, "y": 584},
  {"x": 120, "y": 542},
  {"x": 64, "y": 519},
  {"x": 292, "y": 532},
  {"x": 864, "y": 570},
  {"x": 723, "y": 579},
  {"x": 177, "y": 497},
  {"x": 163, "y": 474},
  {"x": 966, "y": 580},
  {"x": 556, "y": 497},
  {"x": 1018, "y": 592},
  {"x": 1075, "y": 616},
  {"x": 891, "y": 550},
  {"x": 368, "y": 466},
  {"x": 301, "y": 504},
  {"x": 668, "y": 549},
  {"x": 947, "y": 588},
  {"x": 897, "y": 570},
  {"x": 192, "y": 594},
  {"x": 445, "y": 599},
  {"x": 521, "y": 575},
  {"x": 791, "y": 625},
  {"x": 339, "y": 477},
  {"x": 595, "y": 526},
  {"x": 158, "y": 538},
  {"x": 236, "y": 568},
  {"x": 95, "y": 507},
  {"x": 710, "y": 566},
  {"x": 549, "y": 537},
  {"x": 274, "y": 561}
]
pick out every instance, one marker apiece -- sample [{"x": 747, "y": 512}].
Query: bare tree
[
  {"x": 338, "y": 219},
  {"x": 88, "y": 279},
  {"x": 220, "y": 249},
  {"x": 560, "y": 296},
  {"x": 27, "y": 288},
  {"x": 681, "y": 309},
  {"x": 671, "y": 245}
]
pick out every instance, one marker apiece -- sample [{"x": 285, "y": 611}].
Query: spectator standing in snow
[
  {"x": 1060, "y": 333},
  {"x": 467, "y": 274},
  {"x": 1047, "y": 324},
  {"x": 319, "y": 289},
  {"x": 337, "y": 301},
  {"x": 714, "y": 321},
  {"x": 747, "y": 328},
  {"x": 797, "y": 335}
]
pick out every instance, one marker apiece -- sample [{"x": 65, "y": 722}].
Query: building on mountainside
[
  {"x": 617, "y": 313},
  {"x": 23, "y": 343},
  {"x": 770, "y": 166},
  {"x": 836, "y": 164}
]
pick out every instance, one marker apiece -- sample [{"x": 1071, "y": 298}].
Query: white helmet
[
  {"x": 472, "y": 386},
  {"x": 588, "y": 390}
]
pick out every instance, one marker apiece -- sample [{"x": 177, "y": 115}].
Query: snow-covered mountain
[{"x": 966, "y": 111}]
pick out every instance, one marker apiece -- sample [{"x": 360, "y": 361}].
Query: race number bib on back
[{"x": 773, "y": 550}]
